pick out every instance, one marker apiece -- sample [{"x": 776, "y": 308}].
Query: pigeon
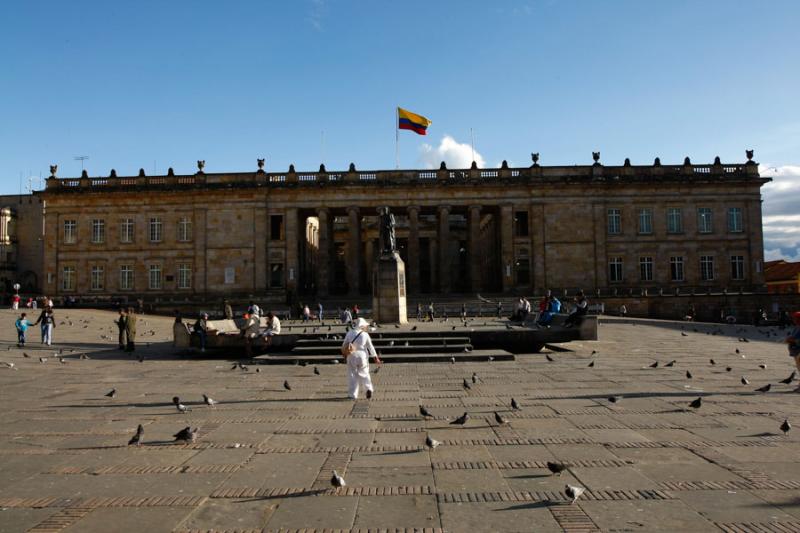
[
  {"x": 594, "y": 352},
  {"x": 695, "y": 404},
  {"x": 613, "y": 399},
  {"x": 789, "y": 379},
  {"x": 337, "y": 480},
  {"x": 737, "y": 350},
  {"x": 414, "y": 328},
  {"x": 765, "y": 388},
  {"x": 452, "y": 360},
  {"x": 499, "y": 418},
  {"x": 187, "y": 434},
  {"x": 258, "y": 370},
  {"x": 377, "y": 369},
  {"x": 762, "y": 366},
  {"x": 178, "y": 405},
  {"x": 211, "y": 402},
  {"x": 461, "y": 420},
  {"x": 10, "y": 365},
  {"x": 745, "y": 381},
  {"x": 688, "y": 375},
  {"x": 591, "y": 365},
  {"x": 556, "y": 468},
  {"x": 466, "y": 384},
  {"x": 785, "y": 427},
  {"x": 474, "y": 377},
  {"x": 712, "y": 361},
  {"x": 111, "y": 393},
  {"x": 728, "y": 368},
  {"x": 235, "y": 366},
  {"x": 431, "y": 443},
  {"x": 43, "y": 359},
  {"x": 671, "y": 363},
  {"x": 549, "y": 359},
  {"x": 684, "y": 334},
  {"x": 137, "y": 439},
  {"x": 25, "y": 355},
  {"x": 316, "y": 371},
  {"x": 424, "y": 412},
  {"x": 514, "y": 405},
  {"x": 574, "y": 492},
  {"x": 286, "y": 385},
  {"x": 654, "y": 365}
]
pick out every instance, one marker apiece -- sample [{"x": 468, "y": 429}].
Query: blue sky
[{"x": 155, "y": 84}]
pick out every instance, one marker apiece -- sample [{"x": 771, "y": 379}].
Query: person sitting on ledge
[
  {"x": 273, "y": 328},
  {"x": 553, "y": 307},
  {"x": 581, "y": 309}
]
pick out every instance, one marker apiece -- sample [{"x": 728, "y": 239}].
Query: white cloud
[
  {"x": 317, "y": 13},
  {"x": 452, "y": 152},
  {"x": 781, "y": 212}
]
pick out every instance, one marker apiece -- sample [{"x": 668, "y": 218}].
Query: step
[
  {"x": 413, "y": 341},
  {"x": 434, "y": 357},
  {"x": 423, "y": 348}
]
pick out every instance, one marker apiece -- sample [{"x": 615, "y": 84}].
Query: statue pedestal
[{"x": 389, "y": 290}]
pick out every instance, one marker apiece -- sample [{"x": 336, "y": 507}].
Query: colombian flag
[{"x": 411, "y": 121}]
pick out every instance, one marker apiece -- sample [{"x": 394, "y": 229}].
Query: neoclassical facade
[{"x": 288, "y": 235}]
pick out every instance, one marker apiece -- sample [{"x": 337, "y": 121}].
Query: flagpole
[
  {"x": 472, "y": 140},
  {"x": 397, "y": 138}
]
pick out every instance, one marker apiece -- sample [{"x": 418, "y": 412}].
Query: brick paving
[{"x": 265, "y": 455}]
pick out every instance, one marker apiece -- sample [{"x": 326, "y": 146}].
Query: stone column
[
  {"x": 538, "y": 257},
  {"x": 353, "y": 250},
  {"x": 412, "y": 268},
  {"x": 444, "y": 248},
  {"x": 323, "y": 255},
  {"x": 507, "y": 246},
  {"x": 260, "y": 262},
  {"x": 474, "y": 224},
  {"x": 293, "y": 239}
]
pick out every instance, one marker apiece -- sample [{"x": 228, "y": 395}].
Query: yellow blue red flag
[{"x": 406, "y": 120}]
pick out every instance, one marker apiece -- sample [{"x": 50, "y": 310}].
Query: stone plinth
[{"x": 389, "y": 290}]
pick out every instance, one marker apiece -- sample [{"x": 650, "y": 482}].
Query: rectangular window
[
  {"x": 98, "y": 230},
  {"x": 674, "y": 220},
  {"x": 276, "y": 227},
  {"x": 646, "y": 268},
  {"x": 126, "y": 230},
  {"x": 735, "y": 219},
  {"x": 737, "y": 267},
  {"x": 676, "y": 268},
  {"x": 184, "y": 229},
  {"x": 68, "y": 278},
  {"x": 646, "y": 221},
  {"x": 98, "y": 279},
  {"x": 615, "y": 269},
  {"x": 184, "y": 276},
  {"x": 521, "y": 223},
  {"x": 126, "y": 277},
  {"x": 523, "y": 271},
  {"x": 155, "y": 229},
  {"x": 70, "y": 231},
  {"x": 705, "y": 220},
  {"x": 706, "y": 267},
  {"x": 276, "y": 275},
  {"x": 614, "y": 221},
  {"x": 154, "y": 277}
]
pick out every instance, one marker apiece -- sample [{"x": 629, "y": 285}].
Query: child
[
  {"x": 793, "y": 340},
  {"x": 22, "y": 326},
  {"x": 358, "y": 361}
]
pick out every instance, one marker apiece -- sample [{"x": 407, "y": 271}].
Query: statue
[
  {"x": 53, "y": 170},
  {"x": 388, "y": 242},
  {"x": 535, "y": 158},
  {"x": 260, "y": 163},
  {"x": 170, "y": 171},
  {"x": 627, "y": 162},
  {"x": 717, "y": 161},
  {"x": 113, "y": 173},
  {"x": 748, "y": 153},
  {"x": 687, "y": 161},
  {"x": 442, "y": 166},
  {"x": 352, "y": 167},
  {"x": 504, "y": 164},
  {"x": 596, "y": 157},
  {"x": 201, "y": 164},
  {"x": 657, "y": 162}
]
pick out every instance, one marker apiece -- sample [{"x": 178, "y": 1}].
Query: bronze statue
[
  {"x": 53, "y": 170},
  {"x": 748, "y": 153},
  {"x": 260, "y": 164},
  {"x": 596, "y": 157},
  {"x": 201, "y": 164},
  {"x": 535, "y": 158},
  {"x": 388, "y": 241}
]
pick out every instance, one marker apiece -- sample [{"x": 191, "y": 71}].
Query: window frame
[
  {"x": 706, "y": 268},
  {"x": 71, "y": 277},
  {"x": 616, "y": 269},
  {"x": 614, "y": 221},
  {"x": 156, "y": 229},
  {"x": 70, "y": 237},
  {"x": 97, "y": 278},
  {"x": 733, "y": 221},
  {"x": 151, "y": 269},
  {"x": 185, "y": 229},
  {"x": 646, "y": 263},
  {"x": 705, "y": 220},
  {"x": 676, "y": 261},
  {"x": 678, "y": 227},
  {"x": 737, "y": 259},
  {"x": 645, "y": 213},
  {"x": 123, "y": 270},
  {"x": 184, "y": 283},
  {"x": 126, "y": 224}
]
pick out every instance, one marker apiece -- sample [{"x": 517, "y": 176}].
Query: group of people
[
  {"x": 46, "y": 321},
  {"x": 126, "y": 324}
]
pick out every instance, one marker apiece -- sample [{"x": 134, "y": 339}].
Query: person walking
[
  {"x": 120, "y": 322},
  {"x": 419, "y": 312},
  {"x": 359, "y": 346},
  {"x": 22, "y": 326},
  {"x": 15, "y": 302},
  {"x": 347, "y": 316},
  {"x": 48, "y": 322},
  {"x": 355, "y": 312},
  {"x": 130, "y": 330},
  {"x": 463, "y": 311},
  {"x": 319, "y": 311},
  {"x": 430, "y": 312}
]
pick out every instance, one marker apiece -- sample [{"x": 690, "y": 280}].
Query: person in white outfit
[{"x": 358, "y": 361}]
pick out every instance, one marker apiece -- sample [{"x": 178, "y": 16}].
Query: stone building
[
  {"x": 284, "y": 235},
  {"x": 21, "y": 243}
]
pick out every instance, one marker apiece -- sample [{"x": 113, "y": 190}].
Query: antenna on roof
[{"x": 81, "y": 158}]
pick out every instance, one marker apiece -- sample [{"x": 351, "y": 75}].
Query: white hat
[{"x": 360, "y": 323}]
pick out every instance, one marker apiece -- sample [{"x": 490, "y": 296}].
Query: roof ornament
[
  {"x": 535, "y": 158},
  {"x": 201, "y": 164},
  {"x": 627, "y": 162},
  {"x": 260, "y": 163},
  {"x": 596, "y": 157},
  {"x": 53, "y": 170}
]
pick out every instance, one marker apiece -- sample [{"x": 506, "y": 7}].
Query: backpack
[{"x": 350, "y": 347}]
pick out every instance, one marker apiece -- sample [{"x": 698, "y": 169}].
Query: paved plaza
[{"x": 265, "y": 455}]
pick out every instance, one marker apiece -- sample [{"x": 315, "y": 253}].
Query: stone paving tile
[{"x": 265, "y": 455}]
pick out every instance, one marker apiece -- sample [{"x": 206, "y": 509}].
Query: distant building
[
  {"x": 782, "y": 277},
  {"x": 289, "y": 235},
  {"x": 21, "y": 243}
]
